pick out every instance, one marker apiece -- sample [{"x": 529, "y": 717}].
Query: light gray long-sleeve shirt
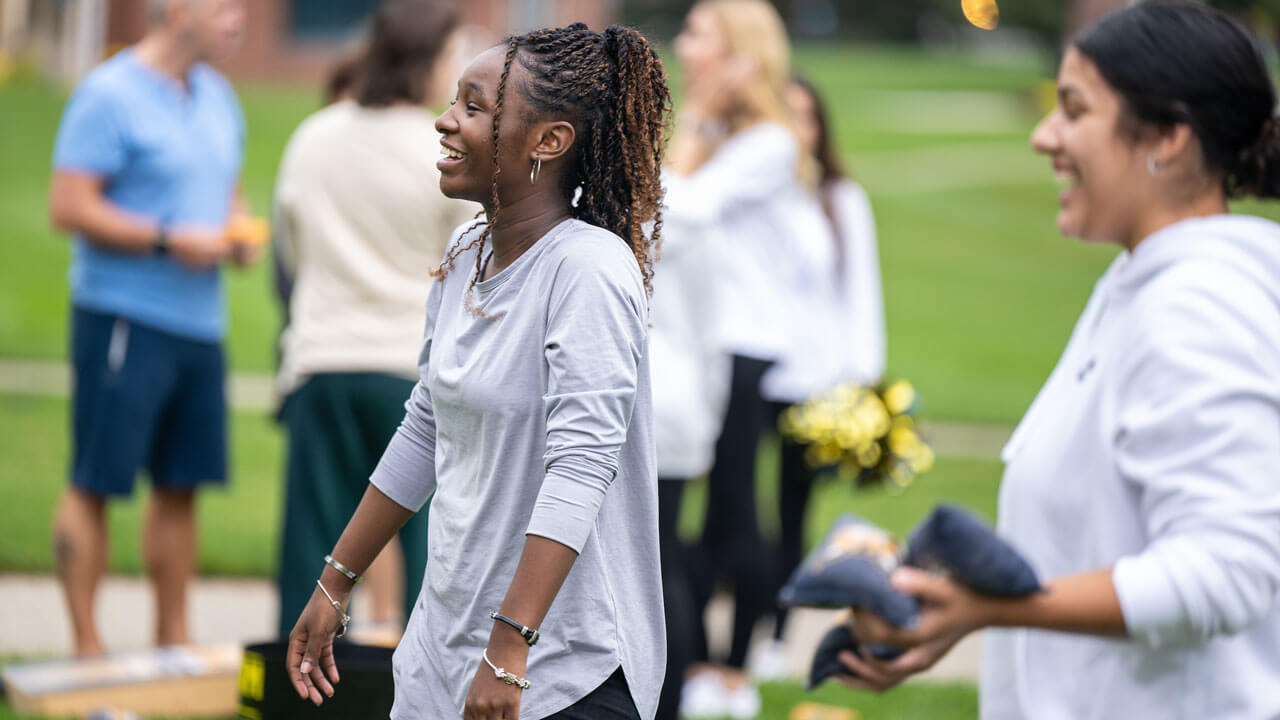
[{"x": 534, "y": 418}]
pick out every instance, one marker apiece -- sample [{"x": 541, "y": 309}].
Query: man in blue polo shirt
[{"x": 146, "y": 170}]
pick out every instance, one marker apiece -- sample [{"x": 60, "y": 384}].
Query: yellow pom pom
[{"x": 899, "y": 397}]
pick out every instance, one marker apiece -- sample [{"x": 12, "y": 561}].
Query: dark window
[{"x": 329, "y": 19}]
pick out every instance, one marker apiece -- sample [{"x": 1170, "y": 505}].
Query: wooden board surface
[{"x": 187, "y": 681}]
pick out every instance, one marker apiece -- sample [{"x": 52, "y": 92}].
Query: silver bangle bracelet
[
  {"x": 503, "y": 675},
  {"x": 342, "y": 628},
  {"x": 351, "y": 575}
]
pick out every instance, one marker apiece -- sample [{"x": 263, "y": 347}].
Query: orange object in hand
[{"x": 248, "y": 230}]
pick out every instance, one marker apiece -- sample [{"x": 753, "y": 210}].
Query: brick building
[{"x": 285, "y": 39}]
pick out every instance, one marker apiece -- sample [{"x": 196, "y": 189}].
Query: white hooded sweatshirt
[{"x": 1154, "y": 449}]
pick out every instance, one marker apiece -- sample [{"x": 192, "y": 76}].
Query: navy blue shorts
[{"x": 144, "y": 399}]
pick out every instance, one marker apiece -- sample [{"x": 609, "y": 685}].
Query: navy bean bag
[{"x": 851, "y": 567}]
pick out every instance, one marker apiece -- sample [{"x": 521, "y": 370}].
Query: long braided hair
[{"x": 613, "y": 88}]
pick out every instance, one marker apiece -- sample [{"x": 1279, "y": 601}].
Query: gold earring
[{"x": 535, "y": 171}]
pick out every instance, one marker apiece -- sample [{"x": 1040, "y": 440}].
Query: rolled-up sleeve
[
  {"x": 594, "y": 344},
  {"x": 407, "y": 471},
  {"x": 1199, "y": 440}
]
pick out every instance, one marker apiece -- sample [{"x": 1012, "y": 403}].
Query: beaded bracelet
[{"x": 503, "y": 675}]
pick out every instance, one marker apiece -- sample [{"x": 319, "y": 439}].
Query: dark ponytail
[
  {"x": 613, "y": 88},
  {"x": 1258, "y": 173},
  {"x": 1183, "y": 62},
  {"x": 830, "y": 170}
]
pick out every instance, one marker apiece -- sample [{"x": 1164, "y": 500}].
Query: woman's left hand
[
  {"x": 947, "y": 610},
  {"x": 490, "y": 698},
  {"x": 869, "y": 673}
]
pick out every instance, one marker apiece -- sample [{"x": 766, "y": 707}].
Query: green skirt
[{"x": 338, "y": 425}]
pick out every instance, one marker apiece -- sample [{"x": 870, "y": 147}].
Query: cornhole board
[{"x": 182, "y": 681}]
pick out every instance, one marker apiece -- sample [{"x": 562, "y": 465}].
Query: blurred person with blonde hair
[
  {"x": 360, "y": 224},
  {"x": 146, "y": 168},
  {"x": 732, "y": 167}
]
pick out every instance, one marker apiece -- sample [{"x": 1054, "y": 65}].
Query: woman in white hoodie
[{"x": 1144, "y": 482}]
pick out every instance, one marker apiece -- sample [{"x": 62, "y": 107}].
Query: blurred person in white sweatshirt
[{"x": 1142, "y": 483}]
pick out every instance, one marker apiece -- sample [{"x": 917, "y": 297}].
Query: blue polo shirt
[{"x": 168, "y": 154}]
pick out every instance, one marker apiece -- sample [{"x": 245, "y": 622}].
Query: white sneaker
[
  {"x": 769, "y": 661},
  {"x": 744, "y": 702},
  {"x": 704, "y": 696}
]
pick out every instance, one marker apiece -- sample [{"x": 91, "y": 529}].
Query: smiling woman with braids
[{"x": 531, "y": 426}]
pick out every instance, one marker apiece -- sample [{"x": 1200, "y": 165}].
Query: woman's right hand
[
  {"x": 725, "y": 90},
  {"x": 309, "y": 660}
]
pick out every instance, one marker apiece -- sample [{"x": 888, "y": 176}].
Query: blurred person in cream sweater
[{"x": 360, "y": 223}]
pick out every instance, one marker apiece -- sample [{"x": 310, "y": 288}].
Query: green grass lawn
[
  {"x": 917, "y": 700},
  {"x": 239, "y": 526}
]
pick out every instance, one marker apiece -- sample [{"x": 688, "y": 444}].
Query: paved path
[
  {"x": 254, "y": 392},
  {"x": 34, "y": 621}
]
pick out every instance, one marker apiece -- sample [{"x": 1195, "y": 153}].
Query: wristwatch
[{"x": 161, "y": 244}]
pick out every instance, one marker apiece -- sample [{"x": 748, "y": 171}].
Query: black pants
[
  {"x": 678, "y": 597},
  {"x": 795, "y": 487},
  {"x": 611, "y": 701},
  {"x": 731, "y": 537}
]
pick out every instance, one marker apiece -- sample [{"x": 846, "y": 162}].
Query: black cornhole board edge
[{"x": 365, "y": 691}]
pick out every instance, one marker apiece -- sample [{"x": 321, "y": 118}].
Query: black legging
[
  {"x": 795, "y": 487},
  {"x": 731, "y": 536},
  {"x": 611, "y": 701},
  {"x": 678, "y": 597}
]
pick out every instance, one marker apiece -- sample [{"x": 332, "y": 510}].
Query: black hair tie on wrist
[{"x": 529, "y": 634}]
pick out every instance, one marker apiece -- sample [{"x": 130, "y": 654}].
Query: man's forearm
[{"x": 76, "y": 205}]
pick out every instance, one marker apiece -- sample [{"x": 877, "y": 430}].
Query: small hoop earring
[
  {"x": 535, "y": 171},
  {"x": 1153, "y": 167}
]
